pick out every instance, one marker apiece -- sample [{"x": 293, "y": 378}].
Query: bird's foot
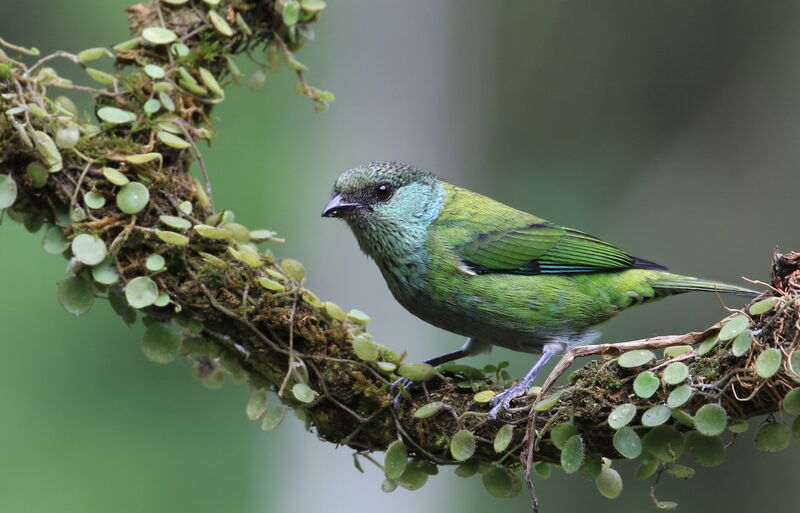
[
  {"x": 404, "y": 385},
  {"x": 502, "y": 401}
]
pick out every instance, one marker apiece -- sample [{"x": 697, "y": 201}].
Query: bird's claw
[
  {"x": 404, "y": 384},
  {"x": 502, "y": 401}
]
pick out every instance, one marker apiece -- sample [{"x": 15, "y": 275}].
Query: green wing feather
[{"x": 545, "y": 248}]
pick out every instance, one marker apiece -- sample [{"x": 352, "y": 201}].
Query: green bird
[{"x": 497, "y": 275}]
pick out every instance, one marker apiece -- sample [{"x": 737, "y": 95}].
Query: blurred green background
[{"x": 668, "y": 128}]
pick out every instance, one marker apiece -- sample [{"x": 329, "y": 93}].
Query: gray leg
[
  {"x": 502, "y": 401},
  {"x": 471, "y": 347}
]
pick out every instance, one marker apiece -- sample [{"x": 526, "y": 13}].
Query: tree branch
[{"x": 117, "y": 200}]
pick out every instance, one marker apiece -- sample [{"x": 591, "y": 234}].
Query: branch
[{"x": 118, "y": 201}]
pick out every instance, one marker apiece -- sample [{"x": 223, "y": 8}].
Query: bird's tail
[{"x": 675, "y": 284}]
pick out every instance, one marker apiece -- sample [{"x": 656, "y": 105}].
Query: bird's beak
[{"x": 339, "y": 207}]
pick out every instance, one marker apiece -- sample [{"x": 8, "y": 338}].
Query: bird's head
[{"x": 385, "y": 201}]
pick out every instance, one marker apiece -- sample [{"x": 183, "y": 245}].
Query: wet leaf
[
  {"x": 622, "y": 415},
  {"x": 656, "y": 416},
  {"x": 733, "y": 327}
]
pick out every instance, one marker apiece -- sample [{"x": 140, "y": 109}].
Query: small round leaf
[
  {"x": 622, "y": 415},
  {"x": 664, "y": 442},
  {"x": 132, "y": 198},
  {"x": 115, "y": 116},
  {"x": 791, "y": 402},
  {"x": 257, "y": 404},
  {"x": 645, "y": 384},
  {"x": 503, "y": 438},
  {"x": 773, "y": 438},
  {"x": 711, "y": 419},
  {"x": 462, "y": 445},
  {"x": 395, "y": 460},
  {"x": 272, "y": 418},
  {"x": 501, "y": 482},
  {"x": 635, "y": 358},
  {"x": 158, "y": 35},
  {"x": 76, "y": 295},
  {"x": 54, "y": 241},
  {"x": 768, "y": 362},
  {"x": 427, "y": 410},
  {"x": 708, "y": 451},
  {"x": 560, "y": 434},
  {"x": 8, "y": 191},
  {"x": 364, "y": 348},
  {"x": 656, "y": 416},
  {"x": 675, "y": 373},
  {"x": 679, "y": 396},
  {"x": 303, "y": 393},
  {"x": 154, "y": 263},
  {"x": 627, "y": 442},
  {"x": 609, "y": 483},
  {"x": 742, "y": 342},
  {"x": 89, "y": 249},
  {"x": 572, "y": 454},
  {"x": 161, "y": 342},
  {"x": 416, "y": 371},
  {"x": 763, "y": 306},
  {"x": 733, "y": 327},
  {"x": 141, "y": 292}
]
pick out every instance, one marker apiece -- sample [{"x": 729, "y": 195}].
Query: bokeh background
[{"x": 669, "y": 128}]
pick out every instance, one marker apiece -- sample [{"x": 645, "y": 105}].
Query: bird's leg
[
  {"x": 502, "y": 401},
  {"x": 470, "y": 347},
  {"x": 622, "y": 347}
]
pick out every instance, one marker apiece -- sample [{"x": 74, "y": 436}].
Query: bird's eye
[{"x": 384, "y": 191}]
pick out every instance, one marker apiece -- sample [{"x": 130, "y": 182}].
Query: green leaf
[
  {"x": 682, "y": 418},
  {"x": 291, "y": 12},
  {"x": 542, "y": 469},
  {"x": 791, "y": 402},
  {"x": 738, "y": 426},
  {"x": 37, "y": 173},
  {"x": 561, "y": 433},
  {"x": 664, "y": 442},
  {"x": 679, "y": 396},
  {"x": 257, "y": 404},
  {"x": 742, "y": 342},
  {"x": 679, "y": 471},
  {"x": 708, "y": 451},
  {"x": 675, "y": 373},
  {"x": 794, "y": 364},
  {"x": 622, "y": 415},
  {"x": 176, "y": 239},
  {"x": 609, "y": 484},
  {"x": 389, "y": 485},
  {"x": 105, "y": 272},
  {"x": 416, "y": 371},
  {"x": 768, "y": 362},
  {"x": 94, "y": 199},
  {"x": 503, "y": 438},
  {"x": 76, "y": 295},
  {"x": 572, "y": 454},
  {"x": 648, "y": 466},
  {"x": 89, "y": 249},
  {"x": 49, "y": 151},
  {"x": 364, "y": 348},
  {"x": 711, "y": 419},
  {"x": 141, "y": 292},
  {"x": 763, "y": 306},
  {"x": 635, "y": 358},
  {"x": 707, "y": 345},
  {"x": 220, "y": 24},
  {"x": 395, "y": 460},
  {"x": 8, "y": 191},
  {"x": 501, "y": 482},
  {"x": 627, "y": 442},
  {"x": 303, "y": 393},
  {"x": 462, "y": 445},
  {"x": 272, "y": 418},
  {"x": 132, "y": 198},
  {"x": 547, "y": 402},
  {"x": 674, "y": 351},
  {"x": 115, "y": 116},
  {"x": 115, "y": 177},
  {"x": 161, "y": 342},
  {"x": 427, "y": 410},
  {"x": 484, "y": 396},
  {"x": 646, "y": 384},
  {"x": 158, "y": 35},
  {"x": 733, "y": 327},
  {"x": 54, "y": 241},
  {"x": 92, "y": 54},
  {"x": 656, "y": 415},
  {"x": 773, "y": 438},
  {"x": 172, "y": 140}
]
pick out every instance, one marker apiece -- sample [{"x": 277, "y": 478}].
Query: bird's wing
[{"x": 544, "y": 248}]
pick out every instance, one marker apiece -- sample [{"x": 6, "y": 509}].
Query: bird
[{"x": 497, "y": 275}]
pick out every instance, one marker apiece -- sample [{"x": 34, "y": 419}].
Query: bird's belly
[{"x": 521, "y": 313}]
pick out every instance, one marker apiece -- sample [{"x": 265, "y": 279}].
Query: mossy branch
[{"x": 117, "y": 200}]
